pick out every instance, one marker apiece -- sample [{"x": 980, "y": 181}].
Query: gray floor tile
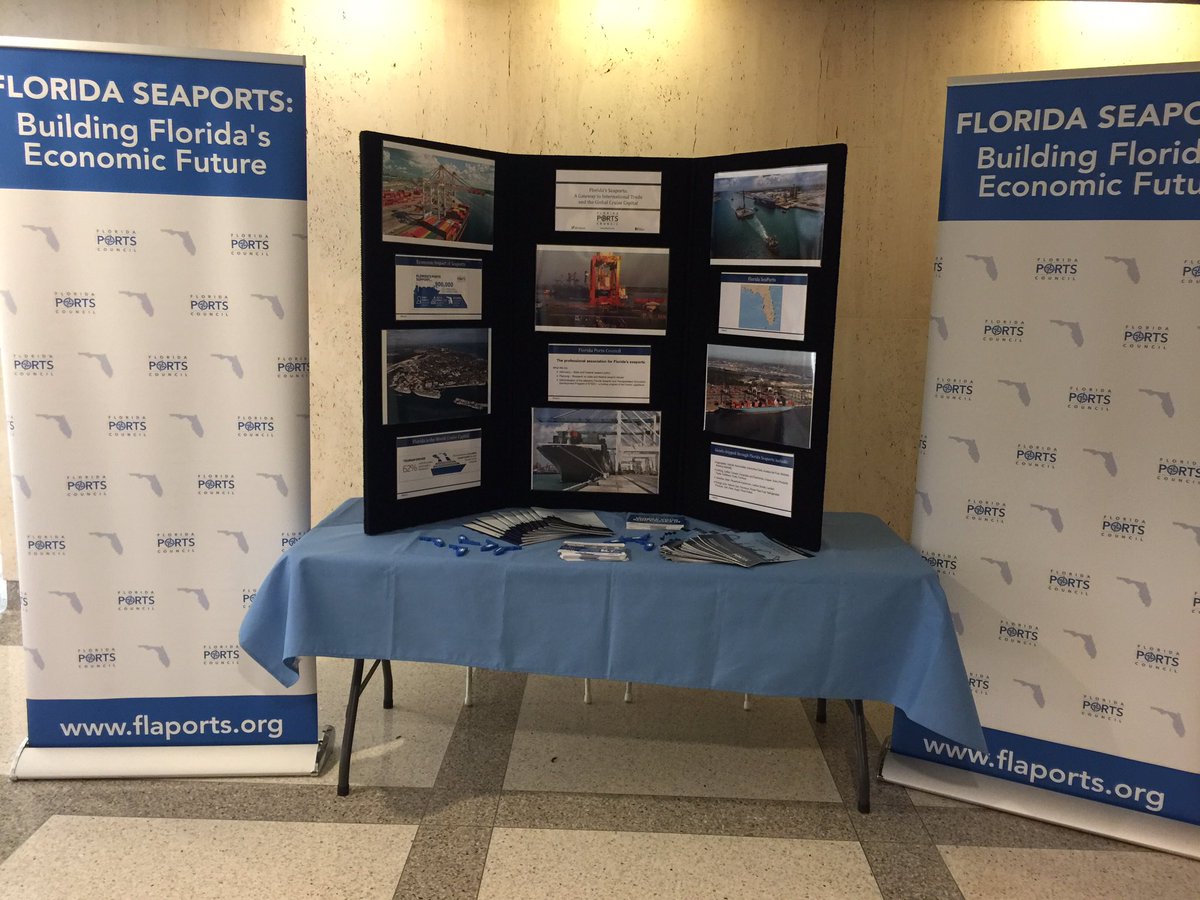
[
  {"x": 980, "y": 827},
  {"x": 476, "y": 756},
  {"x": 444, "y": 863},
  {"x": 684, "y": 815},
  {"x": 461, "y": 807},
  {"x": 910, "y": 871},
  {"x": 890, "y": 823},
  {"x": 837, "y": 739}
]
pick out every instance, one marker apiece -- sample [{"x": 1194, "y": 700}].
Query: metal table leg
[
  {"x": 387, "y": 684},
  {"x": 357, "y": 684},
  {"x": 860, "y": 751}
]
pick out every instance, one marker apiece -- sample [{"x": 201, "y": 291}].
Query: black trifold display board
[{"x": 515, "y": 307}]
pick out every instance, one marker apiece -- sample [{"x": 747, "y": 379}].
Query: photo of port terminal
[
  {"x": 431, "y": 374},
  {"x": 617, "y": 289},
  {"x": 613, "y": 451},
  {"x": 769, "y": 216},
  {"x": 436, "y": 195},
  {"x": 762, "y": 395}
]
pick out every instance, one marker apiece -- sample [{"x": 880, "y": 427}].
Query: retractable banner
[
  {"x": 154, "y": 307},
  {"x": 1059, "y": 476}
]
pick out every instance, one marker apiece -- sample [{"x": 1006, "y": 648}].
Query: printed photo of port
[
  {"x": 436, "y": 195},
  {"x": 430, "y": 374},
  {"x": 616, "y": 289},
  {"x": 760, "y": 395},
  {"x": 613, "y": 451},
  {"x": 769, "y": 217}
]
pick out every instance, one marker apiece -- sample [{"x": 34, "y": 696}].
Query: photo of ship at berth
[
  {"x": 769, "y": 216},
  {"x": 761, "y": 395},
  {"x": 613, "y": 451},
  {"x": 617, "y": 289},
  {"x": 436, "y": 195},
  {"x": 431, "y": 374}
]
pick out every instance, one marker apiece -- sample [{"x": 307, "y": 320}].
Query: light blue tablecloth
[{"x": 864, "y": 619}]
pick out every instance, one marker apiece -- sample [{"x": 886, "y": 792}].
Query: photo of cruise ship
[{"x": 431, "y": 374}]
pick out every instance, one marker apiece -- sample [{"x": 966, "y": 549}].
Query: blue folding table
[{"x": 863, "y": 619}]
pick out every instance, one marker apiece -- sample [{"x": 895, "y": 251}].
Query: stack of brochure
[
  {"x": 575, "y": 551},
  {"x": 737, "y": 548},
  {"x": 655, "y": 522},
  {"x": 532, "y": 525}
]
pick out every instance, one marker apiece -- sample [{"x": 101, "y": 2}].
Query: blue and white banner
[
  {"x": 1059, "y": 475},
  {"x": 154, "y": 310}
]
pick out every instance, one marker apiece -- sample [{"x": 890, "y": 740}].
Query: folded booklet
[
  {"x": 575, "y": 551},
  {"x": 737, "y": 548},
  {"x": 533, "y": 525}
]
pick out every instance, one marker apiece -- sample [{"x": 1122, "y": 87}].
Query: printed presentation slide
[
  {"x": 757, "y": 304},
  {"x": 588, "y": 200},
  {"x": 753, "y": 479},
  {"x": 600, "y": 373},
  {"x": 436, "y": 463},
  {"x": 436, "y": 287}
]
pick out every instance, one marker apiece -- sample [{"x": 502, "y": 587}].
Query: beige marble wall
[{"x": 672, "y": 77}]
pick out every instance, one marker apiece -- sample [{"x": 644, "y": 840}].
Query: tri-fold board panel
[{"x": 642, "y": 334}]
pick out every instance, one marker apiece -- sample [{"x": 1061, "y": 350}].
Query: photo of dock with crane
[
  {"x": 436, "y": 195},
  {"x": 618, "y": 289},
  {"x": 614, "y": 451}
]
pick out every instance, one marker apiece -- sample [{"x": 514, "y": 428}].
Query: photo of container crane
[{"x": 436, "y": 195}]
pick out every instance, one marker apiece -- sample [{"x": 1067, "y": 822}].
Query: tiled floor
[{"x": 531, "y": 794}]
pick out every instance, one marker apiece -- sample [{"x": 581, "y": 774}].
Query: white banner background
[
  {"x": 156, "y": 376},
  {"x": 1059, "y": 475}
]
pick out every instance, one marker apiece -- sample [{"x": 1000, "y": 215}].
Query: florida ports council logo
[
  {"x": 46, "y": 544},
  {"x": 939, "y": 263},
  {"x": 1090, "y": 399},
  {"x": 1123, "y": 528},
  {"x": 248, "y": 595},
  {"x": 35, "y": 364},
  {"x": 991, "y": 511},
  {"x": 221, "y": 654},
  {"x": 1056, "y": 268},
  {"x": 255, "y": 426},
  {"x": 288, "y": 538},
  {"x": 981, "y": 683},
  {"x": 74, "y": 303},
  {"x": 291, "y": 367},
  {"x": 1146, "y": 337},
  {"x": 1191, "y": 272},
  {"x": 210, "y": 485},
  {"x": 116, "y": 240},
  {"x": 208, "y": 305},
  {"x": 175, "y": 542},
  {"x": 954, "y": 389},
  {"x": 1180, "y": 471},
  {"x": 1095, "y": 707},
  {"x": 1017, "y": 633},
  {"x": 1008, "y": 331},
  {"x": 97, "y": 657},
  {"x": 86, "y": 486},
  {"x": 135, "y": 600},
  {"x": 127, "y": 426},
  {"x": 166, "y": 366},
  {"x": 942, "y": 563},
  {"x": 1146, "y": 656},
  {"x": 246, "y": 243},
  {"x": 1038, "y": 456},
  {"x": 1067, "y": 582}
]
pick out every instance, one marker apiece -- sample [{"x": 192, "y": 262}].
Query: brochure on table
[{"x": 643, "y": 334}]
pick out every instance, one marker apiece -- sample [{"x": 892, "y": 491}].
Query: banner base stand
[
  {"x": 38, "y": 763},
  {"x": 1128, "y": 825}
]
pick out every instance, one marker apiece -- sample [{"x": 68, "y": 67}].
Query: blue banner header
[
  {"x": 1115, "y": 147},
  {"x": 84, "y": 121}
]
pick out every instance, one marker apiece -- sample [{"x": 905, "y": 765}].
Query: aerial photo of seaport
[
  {"x": 435, "y": 373},
  {"x": 769, "y": 216},
  {"x": 761, "y": 395},
  {"x": 619, "y": 289},
  {"x": 613, "y": 451},
  {"x": 435, "y": 195}
]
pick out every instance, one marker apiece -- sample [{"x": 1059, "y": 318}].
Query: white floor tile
[
  {"x": 669, "y": 741},
  {"x": 999, "y": 873},
  {"x": 103, "y": 857},
  {"x": 580, "y": 865}
]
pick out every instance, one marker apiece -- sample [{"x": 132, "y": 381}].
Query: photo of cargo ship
[
  {"x": 617, "y": 289},
  {"x": 596, "y": 450},
  {"x": 769, "y": 216},
  {"x": 436, "y": 195},
  {"x": 431, "y": 374},
  {"x": 762, "y": 395}
]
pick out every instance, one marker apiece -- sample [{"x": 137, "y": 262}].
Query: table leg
[
  {"x": 860, "y": 751},
  {"x": 587, "y": 690},
  {"x": 821, "y": 710},
  {"x": 468, "y": 694},
  {"x": 343, "y": 786},
  {"x": 387, "y": 684},
  {"x": 629, "y": 692},
  {"x": 746, "y": 702}
]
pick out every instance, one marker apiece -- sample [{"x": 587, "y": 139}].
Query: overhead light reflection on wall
[
  {"x": 1129, "y": 31},
  {"x": 629, "y": 21}
]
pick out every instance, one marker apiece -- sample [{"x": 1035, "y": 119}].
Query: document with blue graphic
[
  {"x": 437, "y": 287},
  {"x": 436, "y": 463}
]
